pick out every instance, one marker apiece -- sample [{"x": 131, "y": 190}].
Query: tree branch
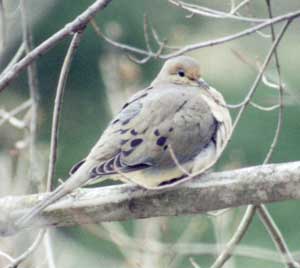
[
  {"x": 254, "y": 185},
  {"x": 76, "y": 25}
]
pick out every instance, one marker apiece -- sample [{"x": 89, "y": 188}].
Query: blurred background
[{"x": 100, "y": 80}]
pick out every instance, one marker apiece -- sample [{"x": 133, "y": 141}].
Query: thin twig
[
  {"x": 236, "y": 238},
  {"x": 55, "y": 128},
  {"x": 6, "y": 256},
  {"x": 239, "y": 6},
  {"x": 218, "y": 41},
  {"x": 248, "y": 216},
  {"x": 277, "y": 237},
  {"x": 280, "y": 95},
  {"x": 14, "y": 59},
  {"x": 33, "y": 89},
  {"x": 15, "y": 122},
  {"x": 58, "y": 107},
  {"x": 264, "y": 108},
  {"x": 265, "y": 216},
  {"x": 86, "y": 16},
  {"x": 260, "y": 74},
  {"x": 194, "y": 263},
  {"x": 146, "y": 33},
  {"x": 49, "y": 250},
  {"x": 121, "y": 46},
  {"x": 77, "y": 24},
  {"x": 162, "y": 42},
  {"x": 269, "y": 83},
  {"x": 208, "y": 12},
  {"x": 28, "y": 252},
  {"x": 115, "y": 232},
  {"x": 2, "y": 27},
  {"x": 11, "y": 14},
  {"x": 176, "y": 161},
  {"x": 25, "y": 105}
]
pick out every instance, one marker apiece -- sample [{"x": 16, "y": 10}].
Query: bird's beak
[{"x": 201, "y": 82}]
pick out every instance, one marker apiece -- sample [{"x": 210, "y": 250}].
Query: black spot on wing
[
  {"x": 133, "y": 132},
  {"x": 136, "y": 142},
  {"x": 161, "y": 141},
  {"x": 156, "y": 132},
  {"x": 125, "y": 122}
]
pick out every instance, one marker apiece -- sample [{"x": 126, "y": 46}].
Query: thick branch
[{"x": 254, "y": 185}]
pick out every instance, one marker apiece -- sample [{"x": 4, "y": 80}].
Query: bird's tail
[{"x": 80, "y": 177}]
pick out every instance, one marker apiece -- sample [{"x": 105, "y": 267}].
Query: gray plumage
[{"x": 179, "y": 112}]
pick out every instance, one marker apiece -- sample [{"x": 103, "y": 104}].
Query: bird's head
[{"x": 182, "y": 70}]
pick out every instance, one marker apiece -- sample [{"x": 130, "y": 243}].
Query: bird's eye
[{"x": 181, "y": 73}]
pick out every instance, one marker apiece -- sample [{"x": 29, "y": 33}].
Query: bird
[{"x": 177, "y": 126}]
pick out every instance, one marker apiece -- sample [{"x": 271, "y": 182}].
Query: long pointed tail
[{"x": 79, "y": 178}]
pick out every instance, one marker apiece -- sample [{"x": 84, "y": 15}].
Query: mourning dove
[{"x": 176, "y": 125}]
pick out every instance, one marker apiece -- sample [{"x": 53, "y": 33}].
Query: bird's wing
[{"x": 139, "y": 136}]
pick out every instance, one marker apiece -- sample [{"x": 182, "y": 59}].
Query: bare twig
[
  {"x": 17, "y": 123},
  {"x": 247, "y": 218},
  {"x": 29, "y": 251},
  {"x": 77, "y": 24},
  {"x": 33, "y": 89},
  {"x": 208, "y": 12},
  {"x": 194, "y": 263},
  {"x": 49, "y": 250},
  {"x": 264, "y": 108},
  {"x": 260, "y": 74},
  {"x": 262, "y": 210},
  {"x": 85, "y": 17},
  {"x": 14, "y": 59},
  {"x": 115, "y": 43},
  {"x": 176, "y": 161},
  {"x": 218, "y": 41},
  {"x": 239, "y": 6},
  {"x": 280, "y": 98},
  {"x": 55, "y": 129},
  {"x": 162, "y": 42},
  {"x": 236, "y": 238},
  {"x": 2, "y": 26},
  {"x": 277, "y": 237},
  {"x": 114, "y": 231},
  {"x": 8, "y": 115},
  {"x": 189, "y": 48},
  {"x": 146, "y": 33},
  {"x": 6, "y": 256},
  {"x": 58, "y": 106}
]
